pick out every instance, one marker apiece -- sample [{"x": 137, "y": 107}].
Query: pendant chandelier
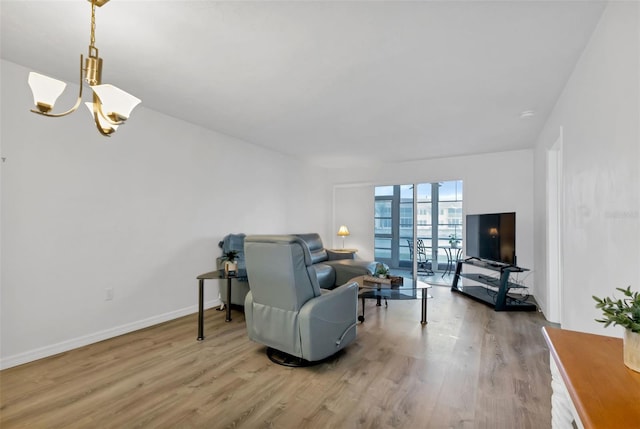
[{"x": 110, "y": 107}]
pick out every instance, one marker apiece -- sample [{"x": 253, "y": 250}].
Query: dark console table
[
  {"x": 215, "y": 275},
  {"x": 493, "y": 291}
]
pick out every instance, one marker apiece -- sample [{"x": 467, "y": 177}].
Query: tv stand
[{"x": 499, "y": 299}]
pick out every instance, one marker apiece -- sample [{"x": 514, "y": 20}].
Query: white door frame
[{"x": 555, "y": 206}]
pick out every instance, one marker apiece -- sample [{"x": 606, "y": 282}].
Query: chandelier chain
[{"x": 93, "y": 24}]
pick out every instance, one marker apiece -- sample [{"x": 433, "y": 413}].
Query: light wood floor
[{"x": 470, "y": 367}]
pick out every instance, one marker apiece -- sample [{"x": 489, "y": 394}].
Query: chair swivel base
[{"x": 285, "y": 359}]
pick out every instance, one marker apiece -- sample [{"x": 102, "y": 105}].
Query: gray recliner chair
[{"x": 287, "y": 311}]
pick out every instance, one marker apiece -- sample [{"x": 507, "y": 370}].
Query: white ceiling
[{"x": 329, "y": 81}]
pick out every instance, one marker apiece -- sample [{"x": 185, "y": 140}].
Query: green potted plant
[
  {"x": 382, "y": 271},
  {"x": 230, "y": 261},
  {"x": 626, "y": 313},
  {"x": 454, "y": 241}
]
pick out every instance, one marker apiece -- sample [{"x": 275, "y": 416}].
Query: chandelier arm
[
  {"x": 75, "y": 106},
  {"x": 101, "y": 130},
  {"x": 97, "y": 115},
  {"x": 106, "y": 117}
]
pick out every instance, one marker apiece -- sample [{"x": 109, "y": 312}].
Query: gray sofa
[
  {"x": 331, "y": 268},
  {"x": 334, "y": 268}
]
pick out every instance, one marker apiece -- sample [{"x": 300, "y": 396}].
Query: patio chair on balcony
[{"x": 421, "y": 252}]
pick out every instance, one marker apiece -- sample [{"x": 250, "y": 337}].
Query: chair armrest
[
  {"x": 346, "y": 269},
  {"x": 337, "y": 305},
  {"x": 328, "y": 322}
]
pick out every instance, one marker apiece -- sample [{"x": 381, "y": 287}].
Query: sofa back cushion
[{"x": 316, "y": 248}]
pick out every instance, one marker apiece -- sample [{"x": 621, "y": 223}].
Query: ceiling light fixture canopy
[{"x": 110, "y": 106}]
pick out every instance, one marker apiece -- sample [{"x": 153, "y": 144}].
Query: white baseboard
[{"x": 74, "y": 343}]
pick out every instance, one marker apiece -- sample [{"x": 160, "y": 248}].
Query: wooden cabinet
[{"x": 592, "y": 388}]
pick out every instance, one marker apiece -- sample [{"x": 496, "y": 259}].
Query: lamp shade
[
  {"x": 104, "y": 124},
  {"x": 114, "y": 100},
  {"x": 343, "y": 231},
  {"x": 45, "y": 90}
]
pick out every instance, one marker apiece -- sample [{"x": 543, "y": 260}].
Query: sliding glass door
[
  {"x": 448, "y": 228},
  {"x": 437, "y": 210},
  {"x": 394, "y": 225}
]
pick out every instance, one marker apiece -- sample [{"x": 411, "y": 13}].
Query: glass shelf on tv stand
[{"x": 493, "y": 291}]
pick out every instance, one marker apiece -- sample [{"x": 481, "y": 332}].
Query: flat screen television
[{"x": 492, "y": 237}]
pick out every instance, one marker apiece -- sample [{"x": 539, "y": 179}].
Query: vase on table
[
  {"x": 230, "y": 267},
  {"x": 631, "y": 349}
]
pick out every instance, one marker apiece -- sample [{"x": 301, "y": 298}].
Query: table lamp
[{"x": 343, "y": 231}]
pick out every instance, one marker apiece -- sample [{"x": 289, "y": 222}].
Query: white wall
[
  {"x": 353, "y": 207},
  {"x": 307, "y": 201},
  {"x": 599, "y": 113},
  {"x": 498, "y": 182},
  {"x": 140, "y": 212}
]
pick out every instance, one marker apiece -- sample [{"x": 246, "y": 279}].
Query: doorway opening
[{"x": 432, "y": 244}]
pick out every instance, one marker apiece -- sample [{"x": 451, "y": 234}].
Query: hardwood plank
[{"x": 469, "y": 367}]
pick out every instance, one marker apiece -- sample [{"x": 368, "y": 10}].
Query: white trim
[
  {"x": 554, "y": 230},
  {"x": 43, "y": 352}
]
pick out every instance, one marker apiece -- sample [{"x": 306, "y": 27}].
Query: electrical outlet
[{"x": 108, "y": 294}]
